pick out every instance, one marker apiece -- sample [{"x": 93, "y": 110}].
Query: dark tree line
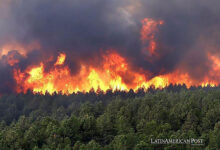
[{"x": 112, "y": 120}]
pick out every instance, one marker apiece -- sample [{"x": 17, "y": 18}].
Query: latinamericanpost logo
[{"x": 191, "y": 141}]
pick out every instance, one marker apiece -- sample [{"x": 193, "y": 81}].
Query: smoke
[{"x": 84, "y": 29}]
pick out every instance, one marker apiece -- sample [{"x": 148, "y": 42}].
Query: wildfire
[
  {"x": 113, "y": 72},
  {"x": 112, "y": 75}
]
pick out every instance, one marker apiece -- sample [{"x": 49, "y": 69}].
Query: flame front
[{"x": 113, "y": 74}]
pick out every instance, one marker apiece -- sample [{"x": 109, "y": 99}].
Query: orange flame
[
  {"x": 149, "y": 28},
  {"x": 59, "y": 79},
  {"x": 61, "y": 59},
  {"x": 112, "y": 75}
]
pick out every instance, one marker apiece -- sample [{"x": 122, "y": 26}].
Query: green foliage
[{"x": 111, "y": 121}]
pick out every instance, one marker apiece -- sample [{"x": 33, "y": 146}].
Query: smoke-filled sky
[{"x": 84, "y": 29}]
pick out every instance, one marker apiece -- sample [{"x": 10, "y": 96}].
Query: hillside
[{"x": 110, "y": 121}]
